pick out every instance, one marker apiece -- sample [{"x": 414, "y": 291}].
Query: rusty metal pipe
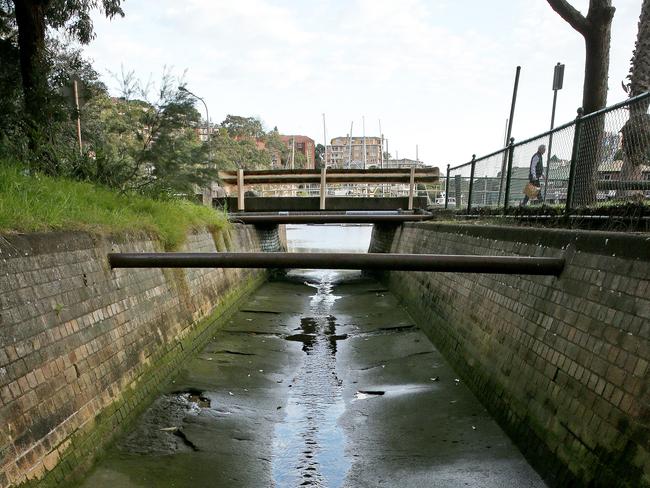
[{"x": 369, "y": 261}]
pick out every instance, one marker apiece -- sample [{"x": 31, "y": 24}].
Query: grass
[{"x": 40, "y": 203}]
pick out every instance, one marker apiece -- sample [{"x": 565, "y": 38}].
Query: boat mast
[
  {"x": 363, "y": 122},
  {"x": 325, "y": 142},
  {"x": 350, "y": 145}
]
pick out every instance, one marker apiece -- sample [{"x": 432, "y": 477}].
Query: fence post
[
  {"x": 323, "y": 187},
  {"x": 471, "y": 184},
  {"x": 510, "y": 156},
  {"x": 240, "y": 190},
  {"x": 574, "y": 161},
  {"x": 411, "y": 188},
  {"x": 447, "y": 188}
]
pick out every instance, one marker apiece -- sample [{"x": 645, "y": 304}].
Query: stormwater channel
[{"x": 321, "y": 379}]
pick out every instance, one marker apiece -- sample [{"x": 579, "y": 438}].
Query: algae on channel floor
[{"x": 320, "y": 379}]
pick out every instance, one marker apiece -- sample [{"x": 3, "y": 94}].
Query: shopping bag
[{"x": 531, "y": 191}]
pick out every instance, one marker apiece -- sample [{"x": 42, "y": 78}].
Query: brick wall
[
  {"x": 562, "y": 363},
  {"x": 83, "y": 348}
]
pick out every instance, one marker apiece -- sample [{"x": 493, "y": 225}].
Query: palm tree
[{"x": 636, "y": 131}]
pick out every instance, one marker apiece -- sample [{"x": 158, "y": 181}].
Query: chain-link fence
[
  {"x": 488, "y": 184},
  {"x": 458, "y": 180},
  {"x": 551, "y": 183},
  {"x": 597, "y": 159}
]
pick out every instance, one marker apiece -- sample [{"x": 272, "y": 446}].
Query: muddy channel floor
[{"x": 320, "y": 380}]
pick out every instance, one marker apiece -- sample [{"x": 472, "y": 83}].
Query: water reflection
[
  {"x": 309, "y": 445},
  {"x": 328, "y": 238}
]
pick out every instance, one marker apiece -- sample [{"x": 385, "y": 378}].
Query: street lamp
[
  {"x": 207, "y": 132},
  {"x": 207, "y": 116}
]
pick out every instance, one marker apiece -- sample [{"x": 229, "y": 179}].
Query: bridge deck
[
  {"x": 328, "y": 218},
  {"x": 307, "y": 204}
]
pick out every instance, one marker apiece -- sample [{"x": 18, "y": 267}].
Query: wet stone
[{"x": 160, "y": 429}]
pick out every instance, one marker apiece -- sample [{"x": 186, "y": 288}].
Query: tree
[
  {"x": 636, "y": 131},
  {"x": 639, "y": 77},
  {"x": 239, "y": 127},
  {"x": 231, "y": 153},
  {"x": 149, "y": 144},
  {"x": 10, "y": 99},
  {"x": 319, "y": 155},
  {"x": 595, "y": 28},
  {"x": 278, "y": 150},
  {"x": 57, "y": 129},
  {"x": 32, "y": 19}
]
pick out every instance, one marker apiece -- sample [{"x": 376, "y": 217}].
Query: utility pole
[
  {"x": 293, "y": 150},
  {"x": 512, "y": 115},
  {"x": 75, "y": 88},
  {"x": 417, "y": 157}
]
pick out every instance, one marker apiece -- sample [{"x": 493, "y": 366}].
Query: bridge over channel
[
  {"x": 240, "y": 179},
  {"x": 372, "y": 181}
]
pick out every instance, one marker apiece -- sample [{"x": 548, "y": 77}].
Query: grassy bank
[{"x": 40, "y": 203}]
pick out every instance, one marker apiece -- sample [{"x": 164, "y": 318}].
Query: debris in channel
[{"x": 363, "y": 394}]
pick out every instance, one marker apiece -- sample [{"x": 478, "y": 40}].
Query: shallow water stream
[{"x": 321, "y": 380}]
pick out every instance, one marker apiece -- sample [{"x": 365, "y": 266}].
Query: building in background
[
  {"x": 303, "y": 145},
  {"x": 344, "y": 152}
]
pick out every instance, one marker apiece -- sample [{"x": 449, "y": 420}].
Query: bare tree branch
[{"x": 571, "y": 15}]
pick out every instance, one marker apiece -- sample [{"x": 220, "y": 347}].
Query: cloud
[{"x": 435, "y": 73}]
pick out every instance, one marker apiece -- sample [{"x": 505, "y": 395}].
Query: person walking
[{"x": 535, "y": 172}]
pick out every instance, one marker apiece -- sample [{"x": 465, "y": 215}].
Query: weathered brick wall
[
  {"x": 561, "y": 362},
  {"x": 83, "y": 348}
]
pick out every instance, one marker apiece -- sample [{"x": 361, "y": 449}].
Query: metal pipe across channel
[
  {"x": 369, "y": 261},
  {"x": 328, "y": 219}
]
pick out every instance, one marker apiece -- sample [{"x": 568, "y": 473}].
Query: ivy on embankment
[{"x": 40, "y": 203}]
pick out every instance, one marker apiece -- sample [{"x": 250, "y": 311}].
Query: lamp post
[
  {"x": 207, "y": 116},
  {"x": 558, "y": 79},
  {"x": 207, "y": 134}
]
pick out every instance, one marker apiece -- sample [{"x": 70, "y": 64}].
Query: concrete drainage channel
[{"x": 319, "y": 380}]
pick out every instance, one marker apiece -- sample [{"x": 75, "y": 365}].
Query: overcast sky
[{"x": 438, "y": 73}]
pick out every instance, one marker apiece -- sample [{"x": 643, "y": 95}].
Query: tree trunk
[
  {"x": 30, "y": 18},
  {"x": 594, "y": 98},
  {"x": 597, "y": 39}
]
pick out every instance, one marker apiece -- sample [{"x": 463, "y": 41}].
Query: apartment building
[
  {"x": 346, "y": 152},
  {"x": 304, "y": 145}
]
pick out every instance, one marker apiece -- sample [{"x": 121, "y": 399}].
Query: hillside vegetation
[{"x": 33, "y": 203}]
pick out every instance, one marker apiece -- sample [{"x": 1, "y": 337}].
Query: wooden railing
[{"x": 410, "y": 176}]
